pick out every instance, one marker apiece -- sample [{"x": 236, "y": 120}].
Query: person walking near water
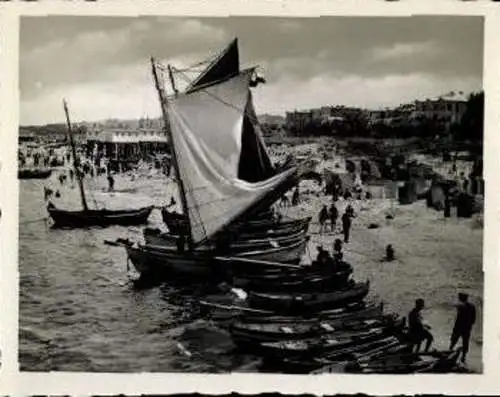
[
  {"x": 346, "y": 226},
  {"x": 466, "y": 317},
  {"x": 418, "y": 331}
]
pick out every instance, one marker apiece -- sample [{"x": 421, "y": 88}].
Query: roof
[{"x": 127, "y": 136}]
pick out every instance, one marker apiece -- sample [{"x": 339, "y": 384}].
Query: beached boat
[
  {"x": 251, "y": 333},
  {"x": 308, "y": 280},
  {"x": 406, "y": 363},
  {"x": 149, "y": 260},
  {"x": 327, "y": 343},
  {"x": 33, "y": 173},
  {"x": 87, "y": 217},
  {"x": 336, "y": 361},
  {"x": 303, "y": 302},
  {"x": 352, "y": 311},
  {"x": 283, "y": 229},
  {"x": 177, "y": 225},
  {"x": 102, "y": 218},
  {"x": 225, "y": 312},
  {"x": 155, "y": 238}
]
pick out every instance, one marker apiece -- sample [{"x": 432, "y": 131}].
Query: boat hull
[
  {"x": 102, "y": 218},
  {"x": 34, "y": 174},
  {"x": 177, "y": 225},
  {"x": 297, "y": 303},
  {"x": 149, "y": 260},
  {"x": 156, "y": 239}
]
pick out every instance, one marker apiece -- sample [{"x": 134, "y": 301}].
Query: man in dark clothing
[
  {"x": 111, "y": 182},
  {"x": 334, "y": 214},
  {"x": 447, "y": 206},
  {"x": 295, "y": 197},
  {"x": 346, "y": 225},
  {"x": 322, "y": 254},
  {"x": 389, "y": 253},
  {"x": 466, "y": 317},
  {"x": 418, "y": 331},
  {"x": 337, "y": 250},
  {"x": 322, "y": 218},
  {"x": 349, "y": 210}
]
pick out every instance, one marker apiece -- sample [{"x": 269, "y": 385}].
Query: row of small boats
[{"x": 355, "y": 337}]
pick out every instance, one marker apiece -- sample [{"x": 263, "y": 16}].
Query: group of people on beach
[
  {"x": 331, "y": 214},
  {"x": 419, "y": 331}
]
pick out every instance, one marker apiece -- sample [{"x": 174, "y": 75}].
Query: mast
[
  {"x": 166, "y": 121},
  {"x": 76, "y": 162}
]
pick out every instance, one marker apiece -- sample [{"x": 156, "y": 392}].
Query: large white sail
[{"x": 206, "y": 128}]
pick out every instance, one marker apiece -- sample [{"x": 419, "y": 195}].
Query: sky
[{"x": 101, "y": 64}]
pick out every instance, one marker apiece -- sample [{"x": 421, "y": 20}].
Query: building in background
[
  {"x": 123, "y": 147},
  {"x": 447, "y": 109}
]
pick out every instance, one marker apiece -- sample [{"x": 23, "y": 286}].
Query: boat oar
[
  {"x": 232, "y": 259},
  {"x": 233, "y": 307}
]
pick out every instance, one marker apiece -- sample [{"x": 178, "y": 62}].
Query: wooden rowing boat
[
  {"x": 244, "y": 333},
  {"x": 304, "y": 302},
  {"x": 153, "y": 261},
  {"x": 102, "y": 218},
  {"x": 324, "y": 344},
  {"x": 33, "y": 173}
]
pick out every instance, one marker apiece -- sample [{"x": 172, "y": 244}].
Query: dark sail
[
  {"x": 255, "y": 164},
  {"x": 226, "y": 65}
]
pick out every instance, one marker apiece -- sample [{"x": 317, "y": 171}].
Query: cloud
[
  {"x": 105, "y": 60},
  {"x": 399, "y": 50}
]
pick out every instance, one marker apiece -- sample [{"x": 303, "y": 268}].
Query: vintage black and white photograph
[{"x": 251, "y": 194}]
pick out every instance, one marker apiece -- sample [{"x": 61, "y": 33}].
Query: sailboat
[
  {"x": 215, "y": 140},
  {"x": 254, "y": 165},
  {"x": 92, "y": 217}
]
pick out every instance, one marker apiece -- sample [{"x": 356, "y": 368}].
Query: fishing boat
[
  {"x": 224, "y": 173},
  {"x": 303, "y": 302},
  {"x": 296, "y": 281},
  {"x": 151, "y": 261},
  {"x": 336, "y": 361},
  {"x": 33, "y": 173},
  {"x": 264, "y": 224},
  {"x": 251, "y": 333},
  {"x": 284, "y": 228},
  {"x": 330, "y": 343},
  {"x": 406, "y": 363},
  {"x": 352, "y": 311},
  {"x": 92, "y": 217},
  {"x": 155, "y": 238},
  {"x": 103, "y": 218},
  {"x": 227, "y": 313}
]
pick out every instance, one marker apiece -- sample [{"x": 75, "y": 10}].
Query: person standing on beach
[
  {"x": 111, "y": 182},
  {"x": 295, "y": 197},
  {"x": 466, "y": 317},
  {"x": 322, "y": 218},
  {"x": 346, "y": 226},
  {"x": 419, "y": 331},
  {"x": 334, "y": 214}
]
